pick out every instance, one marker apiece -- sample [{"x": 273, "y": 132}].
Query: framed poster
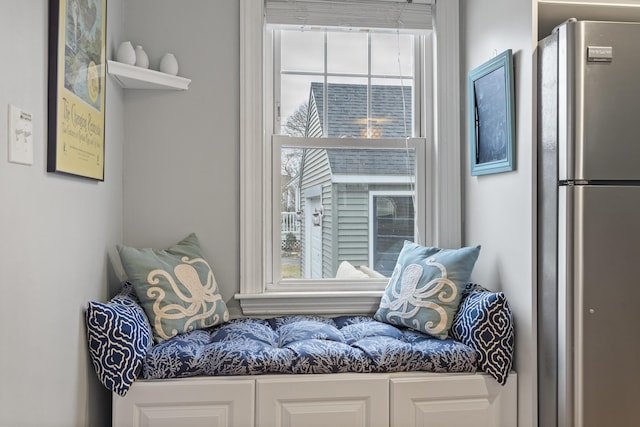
[
  {"x": 492, "y": 116},
  {"x": 77, "y": 76}
]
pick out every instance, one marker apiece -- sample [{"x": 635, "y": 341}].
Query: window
[
  {"x": 393, "y": 222},
  {"x": 355, "y": 176},
  {"x": 330, "y": 84}
]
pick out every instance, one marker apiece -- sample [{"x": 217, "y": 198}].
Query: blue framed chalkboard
[{"x": 492, "y": 116}]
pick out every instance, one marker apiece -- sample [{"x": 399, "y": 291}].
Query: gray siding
[
  {"x": 352, "y": 226},
  {"x": 328, "y": 243},
  {"x": 352, "y": 221},
  {"x": 315, "y": 168},
  {"x": 315, "y": 172}
]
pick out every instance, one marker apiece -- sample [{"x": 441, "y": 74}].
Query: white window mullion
[
  {"x": 272, "y": 53},
  {"x": 276, "y": 180}
]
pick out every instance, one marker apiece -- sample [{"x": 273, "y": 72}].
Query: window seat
[{"x": 242, "y": 369}]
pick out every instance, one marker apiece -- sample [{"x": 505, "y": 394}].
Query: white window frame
[{"x": 256, "y": 222}]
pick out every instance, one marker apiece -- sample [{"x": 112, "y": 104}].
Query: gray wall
[
  {"x": 56, "y": 237},
  {"x": 499, "y": 208},
  {"x": 180, "y": 174},
  {"x": 182, "y": 154}
]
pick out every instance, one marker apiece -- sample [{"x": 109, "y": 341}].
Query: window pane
[
  {"x": 294, "y": 102},
  {"x": 342, "y": 208},
  {"x": 347, "y": 52},
  {"x": 302, "y": 51},
  {"x": 290, "y": 212},
  {"x": 391, "y": 108},
  {"x": 347, "y": 107},
  {"x": 344, "y": 204},
  {"x": 392, "y": 54},
  {"x": 347, "y": 100}
]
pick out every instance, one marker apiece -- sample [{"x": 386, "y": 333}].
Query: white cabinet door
[
  {"x": 336, "y": 400},
  {"x": 453, "y": 400},
  {"x": 193, "y": 402}
]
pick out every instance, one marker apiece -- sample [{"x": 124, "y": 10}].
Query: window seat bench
[
  {"x": 401, "y": 399},
  {"x": 307, "y": 370}
]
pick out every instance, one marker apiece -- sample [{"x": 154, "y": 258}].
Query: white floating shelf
[{"x": 132, "y": 77}]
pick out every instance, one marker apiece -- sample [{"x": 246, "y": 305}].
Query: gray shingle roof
[
  {"x": 347, "y": 109},
  {"x": 347, "y": 116},
  {"x": 371, "y": 161}
]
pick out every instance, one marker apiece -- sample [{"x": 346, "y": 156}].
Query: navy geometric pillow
[
  {"x": 119, "y": 337},
  {"x": 484, "y": 323}
]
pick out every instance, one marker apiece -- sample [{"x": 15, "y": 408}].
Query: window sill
[{"x": 328, "y": 303}]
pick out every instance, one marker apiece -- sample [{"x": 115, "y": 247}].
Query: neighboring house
[
  {"x": 347, "y": 111},
  {"x": 357, "y": 204}
]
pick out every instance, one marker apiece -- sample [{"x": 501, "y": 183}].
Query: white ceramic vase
[
  {"x": 126, "y": 54},
  {"x": 169, "y": 64},
  {"x": 142, "y": 60}
]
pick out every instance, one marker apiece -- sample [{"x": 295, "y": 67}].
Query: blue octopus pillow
[
  {"x": 484, "y": 323},
  {"x": 426, "y": 287},
  {"x": 176, "y": 287},
  {"x": 119, "y": 337}
]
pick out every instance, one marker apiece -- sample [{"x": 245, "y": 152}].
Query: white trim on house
[
  {"x": 372, "y": 179},
  {"x": 256, "y": 273}
]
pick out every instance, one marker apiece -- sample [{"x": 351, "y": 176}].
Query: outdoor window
[
  {"x": 331, "y": 84},
  {"x": 393, "y": 222},
  {"x": 337, "y": 148}
]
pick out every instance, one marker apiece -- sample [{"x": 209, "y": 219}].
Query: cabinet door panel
[
  {"x": 323, "y": 400},
  {"x": 443, "y": 400},
  {"x": 186, "y": 403}
]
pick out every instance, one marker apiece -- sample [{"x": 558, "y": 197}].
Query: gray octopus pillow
[
  {"x": 176, "y": 287},
  {"x": 426, "y": 287}
]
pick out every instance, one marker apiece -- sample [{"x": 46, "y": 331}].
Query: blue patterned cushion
[
  {"x": 426, "y": 287},
  {"x": 484, "y": 323},
  {"x": 119, "y": 337},
  {"x": 176, "y": 287},
  {"x": 305, "y": 345}
]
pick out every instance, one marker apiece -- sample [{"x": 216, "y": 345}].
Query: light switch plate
[{"x": 20, "y": 136}]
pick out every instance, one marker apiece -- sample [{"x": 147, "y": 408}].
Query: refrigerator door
[
  {"x": 600, "y": 79},
  {"x": 547, "y": 204},
  {"x": 602, "y": 289}
]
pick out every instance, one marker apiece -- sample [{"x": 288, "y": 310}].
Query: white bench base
[{"x": 372, "y": 400}]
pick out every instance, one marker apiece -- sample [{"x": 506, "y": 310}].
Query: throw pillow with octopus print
[
  {"x": 176, "y": 287},
  {"x": 425, "y": 288}
]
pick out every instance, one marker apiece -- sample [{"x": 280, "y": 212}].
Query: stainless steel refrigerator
[{"x": 589, "y": 225}]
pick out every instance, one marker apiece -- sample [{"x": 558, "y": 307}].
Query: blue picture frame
[{"x": 492, "y": 116}]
